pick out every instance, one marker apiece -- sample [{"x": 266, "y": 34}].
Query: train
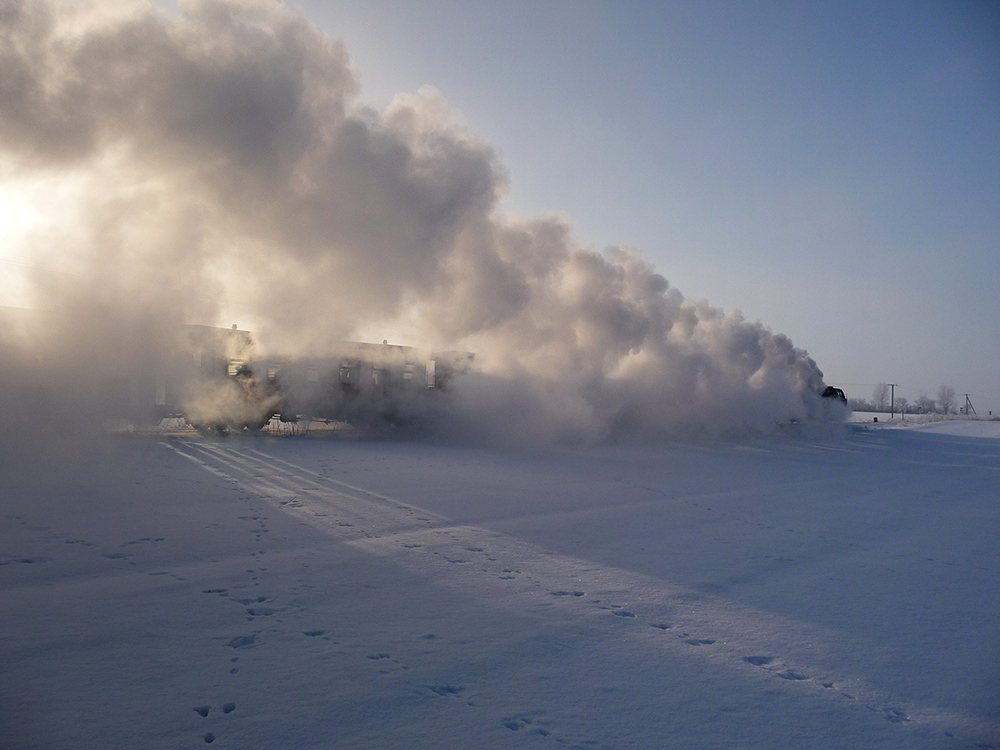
[
  {"x": 217, "y": 380},
  {"x": 225, "y": 385}
]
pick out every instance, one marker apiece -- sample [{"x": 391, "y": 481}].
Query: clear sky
[{"x": 832, "y": 169}]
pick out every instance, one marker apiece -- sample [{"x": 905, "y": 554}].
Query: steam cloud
[{"x": 223, "y": 157}]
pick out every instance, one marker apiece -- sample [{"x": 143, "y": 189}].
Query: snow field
[{"x": 835, "y": 592}]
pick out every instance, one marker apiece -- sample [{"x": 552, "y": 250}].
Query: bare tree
[
  {"x": 901, "y": 403},
  {"x": 946, "y": 399},
  {"x": 925, "y": 404},
  {"x": 880, "y": 397}
]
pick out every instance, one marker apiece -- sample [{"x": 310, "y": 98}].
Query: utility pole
[
  {"x": 968, "y": 406},
  {"x": 892, "y": 400}
]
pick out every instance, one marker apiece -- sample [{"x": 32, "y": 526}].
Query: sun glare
[
  {"x": 32, "y": 212},
  {"x": 18, "y": 214},
  {"x": 18, "y": 217}
]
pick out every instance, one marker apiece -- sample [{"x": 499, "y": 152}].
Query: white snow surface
[
  {"x": 802, "y": 591},
  {"x": 962, "y": 428}
]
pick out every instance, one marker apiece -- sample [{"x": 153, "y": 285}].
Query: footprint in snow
[
  {"x": 896, "y": 716},
  {"x": 253, "y": 600},
  {"x": 444, "y": 690},
  {"x": 792, "y": 674},
  {"x": 517, "y": 722}
]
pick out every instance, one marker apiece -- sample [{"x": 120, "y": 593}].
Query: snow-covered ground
[
  {"x": 837, "y": 591},
  {"x": 960, "y": 426}
]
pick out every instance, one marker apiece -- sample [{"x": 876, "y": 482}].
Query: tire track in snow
[
  {"x": 349, "y": 512},
  {"x": 640, "y": 612}
]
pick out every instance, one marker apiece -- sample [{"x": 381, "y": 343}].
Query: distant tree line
[{"x": 945, "y": 402}]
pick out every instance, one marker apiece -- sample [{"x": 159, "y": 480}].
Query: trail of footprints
[
  {"x": 204, "y": 711},
  {"x": 124, "y": 553},
  {"x": 381, "y": 524},
  {"x": 57, "y": 539},
  {"x": 254, "y": 606}
]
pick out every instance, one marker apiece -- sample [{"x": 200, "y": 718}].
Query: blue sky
[{"x": 830, "y": 169}]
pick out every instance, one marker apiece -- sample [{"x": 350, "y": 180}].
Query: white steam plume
[{"x": 223, "y": 158}]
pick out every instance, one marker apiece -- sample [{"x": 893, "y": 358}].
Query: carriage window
[{"x": 347, "y": 371}]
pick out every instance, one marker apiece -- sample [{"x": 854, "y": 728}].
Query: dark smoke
[{"x": 222, "y": 160}]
